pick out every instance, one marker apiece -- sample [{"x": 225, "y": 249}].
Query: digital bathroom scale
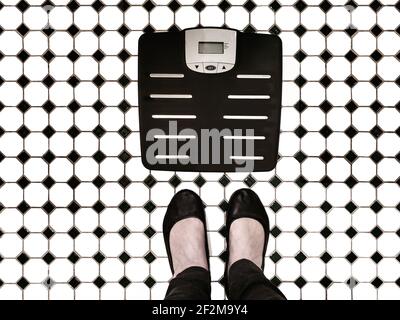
[{"x": 209, "y": 100}]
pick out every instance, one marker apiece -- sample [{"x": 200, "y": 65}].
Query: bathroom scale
[{"x": 209, "y": 100}]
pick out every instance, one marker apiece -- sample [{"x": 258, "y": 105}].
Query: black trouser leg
[
  {"x": 193, "y": 283},
  {"x": 248, "y": 282}
]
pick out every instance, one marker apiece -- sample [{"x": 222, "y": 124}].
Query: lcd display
[{"x": 211, "y": 47}]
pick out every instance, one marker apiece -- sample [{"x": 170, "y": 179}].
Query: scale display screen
[{"x": 211, "y": 47}]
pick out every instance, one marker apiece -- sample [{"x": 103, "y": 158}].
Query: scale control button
[
  {"x": 210, "y": 67},
  {"x": 223, "y": 67},
  {"x": 196, "y": 66}
]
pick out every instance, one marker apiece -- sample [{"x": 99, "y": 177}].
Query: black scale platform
[{"x": 207, "y": 98}]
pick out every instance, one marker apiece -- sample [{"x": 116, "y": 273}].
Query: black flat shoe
[
  {"x": 185, "y": 204},
  {"x": 245, "y": 203}
]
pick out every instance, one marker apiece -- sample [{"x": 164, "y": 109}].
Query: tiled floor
[{"x": 81, "y": 218}]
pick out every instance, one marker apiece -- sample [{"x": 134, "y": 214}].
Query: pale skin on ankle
[
  {"x": 187, "y": 240},
  {"x": 246, "y": 241}
]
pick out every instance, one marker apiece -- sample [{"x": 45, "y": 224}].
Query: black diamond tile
[
  {"x": 23, "y": 6},
  {"x": 124, "y": 232},
  {"x": 326, "y": 232},
  {"x": 249, "y": 181},
  {"x": 150, "y": 181},
  {"x": 23, "y": 283},
  {"x": 300, "y": 81},
  {"x": 300, "y": 5},
  {"x": 326, "y": 30},
  {"x": 376, "y": 81},
  {"x": 224, "y": 5},
  {"x": 376, "y": 5},
  {"x": 175, "y": 181},
  {"x": 149, "y": 257},
  {"x": 376, "y": 56},
  {"x": 98, "y": 207},
  {"x": 124, "y": 181},
  {"x": 301, "y": 181},
  {"x": 376, "y": 181},
  {"x": 300, "y": 282},
  {"x": 301, "y": 232},
  {"x": 73, "y": 233},
  {"x": 275, "y": 232},
  {"x": 325, "y": 282},
  {"x": 275, "y": 257},
  {"x": 275, "y": 30},
  {"x": 275, "y": 206},
  {"x": 23, "y": 182},
  {"x": 99, "y": 257},
  {"x": 99, "y": 282},
  {"x": 48, "y": 182},
  {"x": 123, "y": 5},
  {"x": 124, "y": 282},
  {"x": 124, "y": 206},
  {"x": 300, "y": 30},
  {"x": 249, "y": 5},
  {"x": 326, "y": 156},
  {"x": 351, "y": 232},
  {"x": 300, "y": 257},
  {"x": 351, "y": 207},
  {"x": 351, "y": 156},
  {"x": 23, "y": 232},
  {"x": 376, "y": 157},
  {"x": 300, "y": 156},
  {"x": 326, "y": 55},
  {"x": 73, "y": 156},
  {"x": 199, "y": 6},
  {"x": 99, "y": 156},
  {"x": 149, "y": 232},
  {"x": 23, "y": 55},
  {"x": 300, "y": 131},
  {"x": 199, "y": 181},
  {"x": 124, "y": 156},
  {"x": 149, "y": 206},
  {"x": 124, "y": 55},
  {"x": 326, "y": 206},
  {"x": 124, "y": 257},
  {"x": 326, "y": 257},
  {"x": 326, "y": 181},
  {"x": 99, "y": 232},
  {"x": 49, "y": 207},
  {"x": 48, "y": 232},
  {"x": 376, "y": 232},
  {"x": 351, "y": 181},
  {"x": 351, "y": 132},
  {"x": 275, "y": 6},
  {"x": 325, "y": 6},
  {"x": 23, "y": 156},
  {"x": 377, "y": 282},
  {"x": 150, "y": 282},
  {"x": 350, "y": 31},
  {"x": 23, "y": 258},
  {"x": 98, "y": 55},
  {"x": 73, "y": 207},
  {"x": 376, "y": 257},
  {"x": 351, "y": 56},
  {"x": 325, "y": 131},
  {"x": 124, "y": 131},
  {"x": 73, "y": 5},
  {"x": 300, "y": 55},
  {"x": 301, "y": 106},
  {"x": 74, "y": 282},
  {"x": 48, "y": 258},
  {"x": 23, "y": 207},
  {"x": 351, "y": 257}
]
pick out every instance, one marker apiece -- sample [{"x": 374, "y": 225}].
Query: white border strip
[
  {"x": 244, "y": 137},
  {"x": 170, "y": 96},
  {"x": 173, "y": 116},
  {"x": 253, "y": 76},
  {"x": 249, "y": 96},
  {"x": 231, "y": 117},
  {"x": 246, "y": 157},
  {"x": 172, "y": 156},
  {"x": 166, "y": 137},
  {"x": 167, "y": 75}
]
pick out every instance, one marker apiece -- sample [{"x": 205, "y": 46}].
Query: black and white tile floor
[{"x": 81, "y": 218}]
